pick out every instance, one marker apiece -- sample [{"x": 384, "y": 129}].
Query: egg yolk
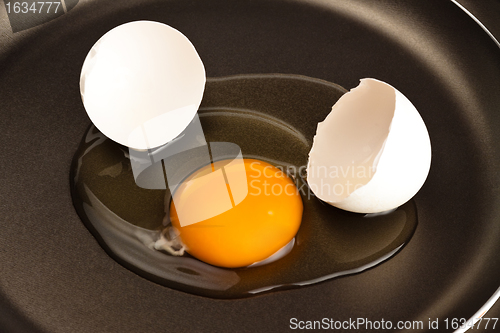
[{"x": 254, "y": 212}]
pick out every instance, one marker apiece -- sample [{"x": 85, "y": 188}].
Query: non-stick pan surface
[{"x": 54, "y": 276}]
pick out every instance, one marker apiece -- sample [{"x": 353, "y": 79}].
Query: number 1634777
[{"x": 33, "y": 7}]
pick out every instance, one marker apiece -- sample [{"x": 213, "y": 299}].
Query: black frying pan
[{"x": 54, "y": 276}]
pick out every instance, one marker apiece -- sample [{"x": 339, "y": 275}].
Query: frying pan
[{"x": 54, "y": 276}]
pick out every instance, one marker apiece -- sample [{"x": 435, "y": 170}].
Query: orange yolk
[{"x": 235, "y": 213}]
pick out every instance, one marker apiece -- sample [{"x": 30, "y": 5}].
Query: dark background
[{"x": 486, "y": 10}]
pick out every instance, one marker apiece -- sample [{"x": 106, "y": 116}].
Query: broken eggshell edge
[{"x": 401, "y": 166}]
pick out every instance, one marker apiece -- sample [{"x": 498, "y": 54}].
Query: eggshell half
[
  {"x": 372, "y": 153},
  {"x": 142, "y": 83}
]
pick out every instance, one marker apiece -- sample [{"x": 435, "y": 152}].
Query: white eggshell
[
  {"x": 142, "y": 83},
  {"x": 372, "y": 153}
]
